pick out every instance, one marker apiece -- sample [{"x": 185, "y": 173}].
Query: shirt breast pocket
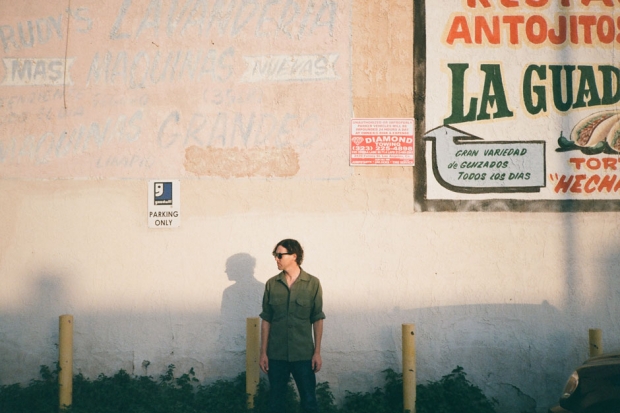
[
  {"x": 278, "y": 306},
  {"x": 303, "y": 308}
]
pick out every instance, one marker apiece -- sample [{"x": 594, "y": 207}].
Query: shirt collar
[{"x": 304, "y": 276}]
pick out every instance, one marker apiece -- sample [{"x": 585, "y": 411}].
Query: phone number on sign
[{"x": 382, "y": 149}]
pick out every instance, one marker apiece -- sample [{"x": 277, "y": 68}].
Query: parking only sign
[
  {"x": 164, "y": 203},
  {"x": 381, "y": 142}
]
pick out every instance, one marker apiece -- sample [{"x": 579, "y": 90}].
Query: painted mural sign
[
  {"x": 381, "y": 142},
  {"x": 523, "y": 99},
  {"x": 469, "y": 164},
  {"x": 177, "y": 88}
]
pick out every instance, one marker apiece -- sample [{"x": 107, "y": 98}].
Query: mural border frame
[{"x": 421, "y": 203}]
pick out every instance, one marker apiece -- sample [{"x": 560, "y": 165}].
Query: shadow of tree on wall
[
  {"x": 502, "y": 347},
  {"x": 31, "y": 333}
]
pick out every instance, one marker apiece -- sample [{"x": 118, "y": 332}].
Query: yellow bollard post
[
  {"x": 409, "y": 378},
  {"x": 596, "y": 342},
  {"x": 65, "y": 361},
  {"x": 252, "y": 355}
]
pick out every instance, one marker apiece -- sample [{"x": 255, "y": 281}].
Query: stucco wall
[{"x": 508, "y": 296}]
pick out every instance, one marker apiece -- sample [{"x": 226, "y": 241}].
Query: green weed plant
[{"x": 123, "y": 393}]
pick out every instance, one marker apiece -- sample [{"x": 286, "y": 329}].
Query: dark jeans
[{"x": 279, "y": 374}]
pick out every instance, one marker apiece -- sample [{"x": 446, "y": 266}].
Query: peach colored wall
[
  {"x": 508, "y": 296},
  {"x": 139, "y": 88}
]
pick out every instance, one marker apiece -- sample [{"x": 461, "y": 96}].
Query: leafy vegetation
[
  {"x": 123, "y": 393},
  {"x": 453, "y": 393}
]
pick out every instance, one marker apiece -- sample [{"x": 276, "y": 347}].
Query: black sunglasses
[{"x": 279, "y": 255}]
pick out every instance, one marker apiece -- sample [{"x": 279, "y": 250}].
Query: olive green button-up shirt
[{"x": 291, "y": 313}]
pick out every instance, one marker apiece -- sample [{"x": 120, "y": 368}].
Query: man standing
[{"x": 292, "y": 311}]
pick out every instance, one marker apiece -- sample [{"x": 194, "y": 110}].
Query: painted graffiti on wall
[
  {"x": 138, "y": 88},
  {"x": 523, "y": 72}
]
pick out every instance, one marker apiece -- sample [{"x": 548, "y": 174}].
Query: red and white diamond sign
[{"x": 382, "y": 142}]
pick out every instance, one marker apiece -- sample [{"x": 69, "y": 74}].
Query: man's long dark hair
[{"x": 292, "y": 246}]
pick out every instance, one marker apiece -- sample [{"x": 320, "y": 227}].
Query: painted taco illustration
[
  {"x": 596, "y": 133},
  {"x": 613, "y": 137}
]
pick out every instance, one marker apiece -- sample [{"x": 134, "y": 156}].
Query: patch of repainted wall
[
  {"x": 508, "y": 296},
  {"x": 238, "y": 163},
  {"x": 382, "y": 59}
]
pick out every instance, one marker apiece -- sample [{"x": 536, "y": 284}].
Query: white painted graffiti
[
  {"x": 290, "y": 68},
  {"x": 31, "y": 33},
  {"x": 37, "y": 72},
  {"x": 140, "y": 69},
  {"x": 292, "y": 18}
]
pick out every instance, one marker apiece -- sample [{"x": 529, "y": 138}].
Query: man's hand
[
  {"x": 318, "y": 336},
  {"x": 264, "y": 363},
  {"x": 316, "y": 362}
]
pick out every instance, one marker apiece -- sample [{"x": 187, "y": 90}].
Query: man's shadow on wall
[{"x": 239, "y": 301}]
